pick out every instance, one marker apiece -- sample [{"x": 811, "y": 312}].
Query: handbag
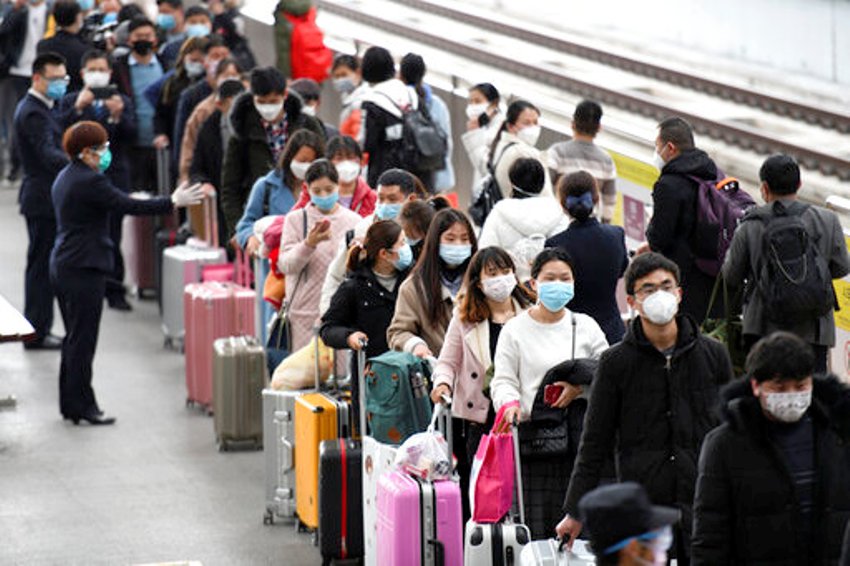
[
  {"x": 491, "y": 481},
  {"x": 728, "y": 330}
]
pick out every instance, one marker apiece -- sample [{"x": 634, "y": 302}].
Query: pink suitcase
[
  {"x": 419, "y": 522},
  {"x": 212, "y": 310}
]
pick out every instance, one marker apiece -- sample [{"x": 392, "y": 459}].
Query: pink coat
[{"x": 463, "y": 363}]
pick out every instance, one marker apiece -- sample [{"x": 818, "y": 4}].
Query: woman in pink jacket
[{"x": 491, "y": 296}]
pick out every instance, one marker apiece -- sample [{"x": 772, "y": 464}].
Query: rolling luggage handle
[
  {"x": 361, "y": 384},
  {"x": 518, "y": 470}
]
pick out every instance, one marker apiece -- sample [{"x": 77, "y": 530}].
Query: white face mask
[
  {"x": 299, "y": 168},
  {"x": 499, "y": 288},
  {"x": 787, "y": 407},
  {"x": 529, "y": 134},
  {"x": 309, "y": 110},
  {"x": 475, "y": 110},
  {"x": 660, "y": 307},
  {"x": 347, "y": 170},
  {"x": 96, "y": 79},
  {"x": 657, "y": 160},
  {"x": 268, "y": 112}
]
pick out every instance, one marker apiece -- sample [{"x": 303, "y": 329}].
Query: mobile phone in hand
[
  {"x": 103, "y": 93},
  {"x": 551, "y": 393}
]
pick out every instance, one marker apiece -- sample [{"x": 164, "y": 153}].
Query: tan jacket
[
  {"x": 408, "y": 328},
  {"x": 190, "y": 135}
]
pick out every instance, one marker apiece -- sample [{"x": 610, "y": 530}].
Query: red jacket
[{"x": 362, "y": 202}]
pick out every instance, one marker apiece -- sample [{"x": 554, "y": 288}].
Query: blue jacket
[
  {"x": 444, "y": 179},
  {"x": 271, "y": 189},
  {"x": 83, "y": 200},
  {"x": 39, "y": 138},
  {"x": 599, "y": 253},
  {"x": 121, "y": 135}
]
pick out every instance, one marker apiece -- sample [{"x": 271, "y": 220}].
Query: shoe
[
  {"x": 119, "y": 303},
  {"x": 12, "y": 176},
  {"x": 94, "y": 419},
  {"x": 49, "y": 342}
]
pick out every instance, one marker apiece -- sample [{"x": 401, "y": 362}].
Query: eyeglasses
[{"x": 649, "y": 288}]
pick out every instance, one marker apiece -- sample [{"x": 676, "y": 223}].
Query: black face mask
[{"x": 143, "y": 47}]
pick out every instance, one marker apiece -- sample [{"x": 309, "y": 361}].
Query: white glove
[{"x": 187, "y": 195}]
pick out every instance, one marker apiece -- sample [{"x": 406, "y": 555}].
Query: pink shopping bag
[{"x": 491, "y": 483}]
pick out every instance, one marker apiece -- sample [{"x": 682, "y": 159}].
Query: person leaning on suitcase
[{"x": 82, "y": 257}]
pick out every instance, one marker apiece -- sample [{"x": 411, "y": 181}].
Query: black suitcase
[{"x": 340, "y": 502}]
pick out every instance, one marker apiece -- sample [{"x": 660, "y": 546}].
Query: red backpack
[{"x": 308, "y": 56}]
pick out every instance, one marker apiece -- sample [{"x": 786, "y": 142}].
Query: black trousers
[
  {"x": 38, "y": 292},
  {"x": 115, "y": 281},
  {"x": 80, "y": 293}
]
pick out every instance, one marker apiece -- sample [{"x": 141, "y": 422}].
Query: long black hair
[{"x": 296, "y": 141}]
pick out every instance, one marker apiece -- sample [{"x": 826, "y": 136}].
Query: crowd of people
[{"x": 753, "y": 468}]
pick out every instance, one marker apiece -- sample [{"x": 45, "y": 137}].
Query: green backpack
[{"x": 398, "y": 403}]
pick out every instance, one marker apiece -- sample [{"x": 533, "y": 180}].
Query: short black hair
[
  {"x": 129, "y": 12},
  {"x": 548, "y": 255},
  {"x": 197, "y": 10},
  {"x": 307, "y": 89},
  {"x": 267, "y": 80},
  {"x": 490, "y": 92},
  {"x": 644, "y": 264},
  {"x": 528, "y": 175},
  {"x": 781, "y": 174},
  {"x": 781, "y": 355},
  {"x": 343, "y": 145},
  {"x": 320, "y": 169},
  {"x": 412, "y": 69},
  {"x": 177, "y": 4},
  {"x": 345, "y": 60},
  {"x": 214, "y": 40},
  {"x": 677, "y": 131},
  {"x": 93, "y": 54},
  {"x": 405, "y": 180},
  {"x": 587, "y": 117},
  {"x": 139, "y": 22},
  {"x": 65, "y": 13},
  {"x": 378, "y": 65},
  {"x": 48, "y": 58}
]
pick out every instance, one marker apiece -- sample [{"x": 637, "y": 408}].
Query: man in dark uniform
[
  {"x": 39, "y": 138},
  {"x": 67, "y": 42}
]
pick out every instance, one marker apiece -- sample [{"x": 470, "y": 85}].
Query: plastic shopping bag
[
  {"x": 491, "y": 482},
  {"x": 427, "y": 455}
]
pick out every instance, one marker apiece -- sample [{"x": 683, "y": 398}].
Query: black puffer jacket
[
  {"x": 746, "y": 510},
  {"x": 652, "y": 411},
  {"x": 670, "y": 232}
]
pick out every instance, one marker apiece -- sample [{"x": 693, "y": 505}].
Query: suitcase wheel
[
  {"x": 314, "y": 538},
  {"x": 189, "y": 403}
]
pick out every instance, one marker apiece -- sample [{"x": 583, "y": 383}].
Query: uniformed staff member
[{"x": 82, "y": 257}]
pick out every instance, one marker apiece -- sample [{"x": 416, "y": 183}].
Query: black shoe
[
  {"x": 119, "y": 303},
  {"x": 49, "y": 342},
  {"x": 13, "y": 176},
  {"x": 94, "y": 419}
]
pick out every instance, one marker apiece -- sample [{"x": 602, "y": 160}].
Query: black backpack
[
  {"x": 424, "y": 144},
  {"x": 793, "y": 279}
]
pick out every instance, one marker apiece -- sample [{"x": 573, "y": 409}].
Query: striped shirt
[{"x": 576, "y": 155}]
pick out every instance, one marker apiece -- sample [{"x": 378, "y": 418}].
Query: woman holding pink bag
[{"x": 491, "y": 296}]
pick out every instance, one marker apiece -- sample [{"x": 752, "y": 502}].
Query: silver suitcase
[
  {"x": 279, "y": 446},
  {"x": 550, "y": 553},
  {"x": 239, "y": 375},
  {"x": 182, "y": 265}
]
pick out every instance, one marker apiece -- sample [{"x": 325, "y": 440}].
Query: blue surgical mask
[
  {"x": 109, "y": 18},
  {"x": 197, "y": 30},
  {"x": 86, "y": 5},
  {"x": 56, "y": 89},
  {"x": 166, "y": 21},
  {"x": 405, "y": 258},
  {"x": 455, "y": 254},
  {"x": 554, "y": 295},
  {"x": 325, "y": 203},
  {"x": 387, "y": 211},
  {"x": 412, "y": 242}
]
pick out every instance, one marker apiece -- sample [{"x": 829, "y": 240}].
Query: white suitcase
[
  {"x": 279, "y": 446},
  {"x": 549, "y": 553},
  {"x": 182, "y": 265}
]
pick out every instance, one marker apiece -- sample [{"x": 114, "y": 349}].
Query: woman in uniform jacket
[
  {"x": 363, "y": 306},
  {"x": 426, "y": 299},
  {"x": 82, "y": 257}
]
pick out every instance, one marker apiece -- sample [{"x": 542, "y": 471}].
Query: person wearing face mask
[
  {"x": 345, "y": 74},
  {"x": 363, "y": 306},
  {"x": 262, "y": 122},
  {"x": 311, "y": 98},
  {"x": 427, "y": 298},
  {"x": 81, "y": 258},
  {"x": 599, "y": 251},
  {"x": 625, "y": 528},
  {"x": 67, "y": 41},
  {"x": 530, "y": 345},
  {"x": 773, "y": 479},
  {"x": 171, "y": 29},
  {"x": 485, "y": 117},
  {"x": 522, "y": 223},
  {"x": 415, "y": 219},
  {"x": 652, "y": 402},
  {"x": 515, "y": 139},
  {"x": 115, "y": 114},
  {"x": 198, "y": 23},
  {"x": 308, "y": 243},
  {"x": 491, "y": 296},
  {"x": 38, "y": 135}
]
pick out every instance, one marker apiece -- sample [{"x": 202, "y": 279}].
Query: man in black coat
[
  {"x": 39, "y": 139},
  {"x": 67, "y": 41},
  {"x": 674, "y": 199},
  {"x": 774, "y": 479},
  {"x": 652, "y": 401}
]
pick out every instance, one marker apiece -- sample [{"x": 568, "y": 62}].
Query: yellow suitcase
[{"x": 318, "y": 417}]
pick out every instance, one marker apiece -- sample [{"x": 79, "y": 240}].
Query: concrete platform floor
[{"x": 152, "y": 488}]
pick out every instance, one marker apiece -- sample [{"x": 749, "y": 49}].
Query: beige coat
[{"x": 408, "y": 328}]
